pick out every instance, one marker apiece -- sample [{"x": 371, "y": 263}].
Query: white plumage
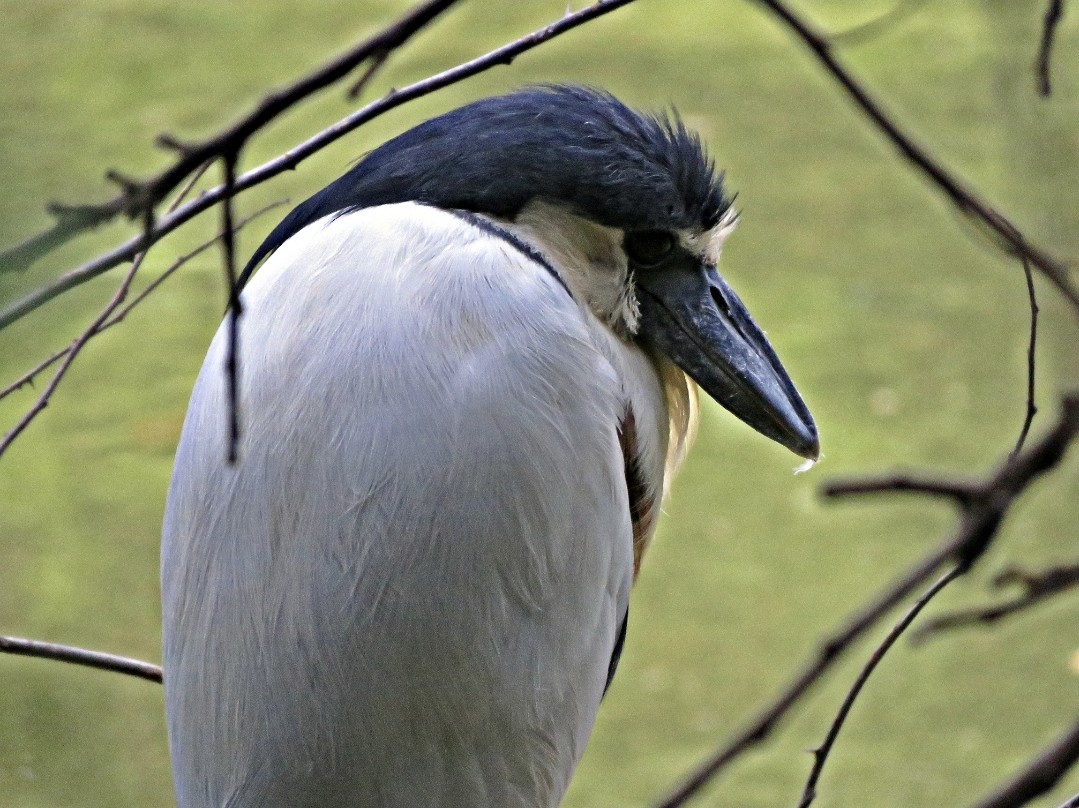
[
  {"x": 465, "y": 384},
  {"x": 427, "y": 549}
]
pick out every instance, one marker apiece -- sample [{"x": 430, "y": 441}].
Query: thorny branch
[
  {"x": 69, "y": 357},
  {"x": 820, "y": 754},
  {"x": 52, "y": 359},
  {"x": 1036, "y": 588},
  {"x": 290, "y": 159},
  {"x": 982, "y": 509},
  {"x": 136, "y": 198},
  {"x": 1007, "y": 235}
]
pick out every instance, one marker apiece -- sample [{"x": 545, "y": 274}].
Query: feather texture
[{"x": 407, "y": 592}]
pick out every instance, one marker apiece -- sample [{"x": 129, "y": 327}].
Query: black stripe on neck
[{"x": 523, "y": 247}]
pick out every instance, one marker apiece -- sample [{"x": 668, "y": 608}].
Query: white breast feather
[{"x": 408, "y": 590}]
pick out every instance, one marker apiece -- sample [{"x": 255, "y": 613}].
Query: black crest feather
[{"x": 570, "y": 145}]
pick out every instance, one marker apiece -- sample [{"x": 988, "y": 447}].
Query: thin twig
[
  {"x": 290, "y": 159},
  {"x": 45, "y": 364},
  {"x": 820, "y": 754},
  {"x": 29, "y": 376},
  {"x": 1053, "y": 12},
  {"x": 96, "y": 326},
  {"x": 960, "y": 492},
  {"x": 1032, "y": 346},
  {"x": 136, "y": 197},
  {"x": 235, "y": 308},
  {"x": 980, "y": 518},
  {"x": 73, "y": 351},
  {"x": 188, "y": 186},
  {"x": 373, "y": 66},
  {"x": 80, "y": 656},
  {"x": 1008, "y": 237},
  {"x": 1040, "y": 775},
  {"x": 879, "y": 25},
  {"x": 1037, "y": 587}
]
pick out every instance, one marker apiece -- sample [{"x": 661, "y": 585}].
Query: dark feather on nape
[{"x": 568, "y": 145}]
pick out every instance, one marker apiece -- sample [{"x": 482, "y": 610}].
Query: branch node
[
  {"x": 172, "y": 143},
  {"x": 378, "y": 59},
  {"x": 129, "y": 186}
]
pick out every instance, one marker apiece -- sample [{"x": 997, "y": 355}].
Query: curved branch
[
  {"x": 1007, "y": 236},
  {"x": 878, "y": 26},
  {"x": 960, "y": 492},
  {"x": 136, "y": 198},
  {"x": 1053, "y": 13},
  {"x": 980, "y": 519},
  {"x": 1040, "y": 775},
  {"x": 80, "y": 656},
  {"x": 820, "y": 754},
  {"x": 1037, "y": 587},
  {"x": 290, "y": 159},
  {"x": 53, "y": 358},
  {"x": 1032, "y": 348}
]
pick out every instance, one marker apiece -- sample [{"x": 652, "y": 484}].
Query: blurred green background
[{"x": 904, "y": 330}]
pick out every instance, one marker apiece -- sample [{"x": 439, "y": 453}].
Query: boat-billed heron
[{"x": 468, "y": 370}]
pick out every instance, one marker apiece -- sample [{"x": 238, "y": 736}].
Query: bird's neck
[{"x": 588, "y": 257}]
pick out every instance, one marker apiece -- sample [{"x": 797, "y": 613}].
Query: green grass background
[{"x": 905, "y": 331}]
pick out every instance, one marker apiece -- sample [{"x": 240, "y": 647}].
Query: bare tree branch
[
  {"x": 982, "y": 510},
  {"x": 1032, "y": 345},
  {"x": 960, "y": 492},
  {"x": 1053, "y": 13},
  {"x": 1007, "y": 236},
  {"x": 136, "y": 197},
  {"x": 52, "y": 359},
  {"x": 29, "y": 376},
  {"x": 983, "y": 506},
  {"x": 878, "y": 26},
  {"x": 1040, "y": 775},
  {"x": 80, "y": 656},
  {"x": 1037, "y": 587},
  {"x": 820, "y": 754},
  {"x": 69, "y": 357},
  {"x": 290, "y": 159},
  {"x": 235, "y": 308},
  {"x": 111, "y": 314},
  {"x": 376, "y": 63}
]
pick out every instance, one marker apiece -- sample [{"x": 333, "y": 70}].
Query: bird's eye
[{"x": 647, "y": 248}]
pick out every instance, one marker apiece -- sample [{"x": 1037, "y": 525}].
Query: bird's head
[{"x": 626, "y": 207}]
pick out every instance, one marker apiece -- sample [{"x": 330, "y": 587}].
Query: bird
[{"x": 468, "y": 373}]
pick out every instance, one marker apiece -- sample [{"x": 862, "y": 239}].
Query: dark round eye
[{"x": 647, "y": 248}]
